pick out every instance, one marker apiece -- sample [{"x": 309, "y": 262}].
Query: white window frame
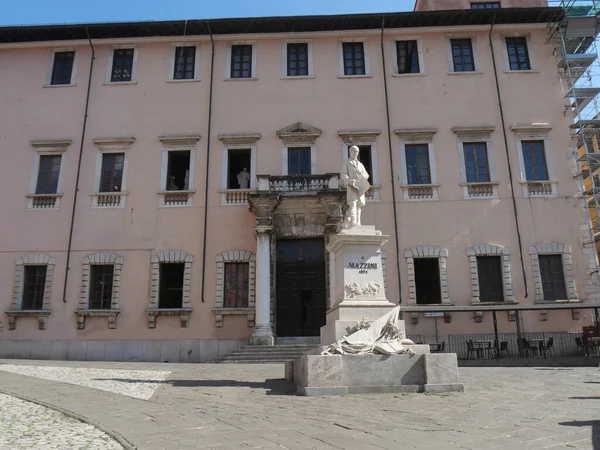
[
  {"x": 46, "y": 148},
  {"x": 174, "y": 46},
  {"x": 476, "y": 135},
  {"x": 418, "y": 136},
  {"x": 53, "y": 53},
  {"x": 237, "y": 142},
  {"x": 427, "y": 251},
  {"x": 365, "y": 43},
  {"x": 111, "y": 145},
  {"x": 111, "y": 52},
  {"x": 553, "y": 248},
  {"x": 535, "y": 132},
  {"x": 253, "y": 75},
  {"x": 397, "y": 39},
  {"x": 177, "y": 144},
  {"x": 284, "y": 49},
  {"x": 532, "y": 63},
  {"x": 98, "y": 259},
  {"x": 363, "y": 137},
  {"x": 491, "y": 250},
  {"x": 474, "y": 45}
]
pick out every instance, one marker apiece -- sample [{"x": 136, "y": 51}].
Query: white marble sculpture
[
  {"x": 380, "y": 337},
  {"x": 355, "y": 178},
  {"x": 243, "y": 179}
]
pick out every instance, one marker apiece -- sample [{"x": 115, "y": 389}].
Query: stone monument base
[{"x": 363, "y": 374}]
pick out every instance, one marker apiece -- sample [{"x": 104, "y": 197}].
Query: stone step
[
  {"x": 276, "y": 348},
  {"x": 302, "y": 340},
  {"x": 255, "y": 358},
  {"x": 265, "y": 361}
]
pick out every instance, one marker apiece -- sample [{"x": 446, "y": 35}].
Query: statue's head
[{"x": 354, "y": 150}]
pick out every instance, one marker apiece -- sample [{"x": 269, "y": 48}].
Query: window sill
[
  {"x": 41, "y": 314},
  {"x": 536, "y": 189},
  {"x": 187, "y": 80},
  {"x": 480, "y": 191},
  {"x": 174, "y": 199},
  {"x": 108, "y": 200},
  {"x": 111, "y": 314},
  {"x": 183, "y": 313},
  {"x": 43, "y": 201},
  {"x": 59, "y": 85},
  {"x": 356, "y": 76},
  {"x": 118, "y": 83},
  {"x": 220, "y": 312},
  {"x": 299, "y": 77},
  {"x": 493, "y": 303},
  {"x": 237, "y": 197},
  {"x": 241, "y": 79},
  {"x": 522, "y": 71},
  {"x": 474, "y": 72},
  {"x": 420, "y": 192},
  {"x": 409, "y": 75},
  {"x": 554, "y": 302},
  {"x": 372, "y": 194}
]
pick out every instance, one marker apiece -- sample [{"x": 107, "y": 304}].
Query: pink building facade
[{"x": 133, "y": 232}]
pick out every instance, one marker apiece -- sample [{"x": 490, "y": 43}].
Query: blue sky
[{"x": 38, "y": 12}]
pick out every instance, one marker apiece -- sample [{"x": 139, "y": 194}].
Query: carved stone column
[
  {"x": 334, "y": 208},
  {"x": 263, "y": 207}
]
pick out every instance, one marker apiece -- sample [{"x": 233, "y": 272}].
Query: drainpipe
[
  {"x": 210, "y": 96},
  {"x": 73, "y": 209},
  {"x": 389, "y": 130},
  {"x": 510, "y": 173}
]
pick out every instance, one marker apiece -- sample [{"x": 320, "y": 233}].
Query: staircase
[{"x": 285, "y": 349}]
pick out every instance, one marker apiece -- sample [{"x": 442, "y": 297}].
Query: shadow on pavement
[{"x": 595, "y": 424}]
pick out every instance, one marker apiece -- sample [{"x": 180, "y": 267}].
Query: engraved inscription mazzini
[{"x": 362, "y": 265}]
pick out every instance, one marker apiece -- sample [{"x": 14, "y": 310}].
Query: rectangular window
[
  {"x": 299, "y": 161},
  {"x": 178, "y": 171},
  {"x": 170, "y": 293},
  {"x": 122, "y": 65},
  {"x": 596, "y": 181},
  {"x": 534, "y": 158},
  {"x": 238, "y": 170},
  {"x": 34, "y": 285},
  {"x": 553, "y": 277},
  {"x": 111, "y": 175},
  {"x": 62, "y": 69},
  {"x": 354, "y": 58},
  {"x": 297, "y": 59},
  {"x": 427, "y": 281},
  {"x": 407, "y": 53},
  {"x": 489, "y": 271},
  {"x": 417, "y": 164},
  {"x": 235, "y": 293},
  {"x": 101, "y": 286},
  {"x": 462, "y": 55},
  {"x": 241, "y": 61},
  {"x": 185, "y": 63},
  {"x": 485, "y": 5},
  {"x": 48, "y": 172},
  {"x": 476, "y": 162},
  {"x": 518, "y": 56}
]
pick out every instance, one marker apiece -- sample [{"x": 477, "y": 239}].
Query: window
[
  {"x": 427, "y": 281},
  {"x": 462, "y": 55},
  {"x": 596, "y": 181},
  {"x": 297, "y": 59},
  {"x": 62, "y": 68},
  {"x": 489, "y": 271},
  {"x": 553, "y": 277},
  {"x": 178, "y": 171},
  {"x": 34, "y": 286},
  {"x": 236, "y": 285},
  {"x": 299, "y": 161},
  {"x": 476, "y": 162},
  {"x": 485, "y": 5},
  {"x": 184, "y": 66},
  {"x": 238, "y": 173},
  {"x": 171, "y": 285},
  {"x": 518, "y": 55},
  {"x": 354, "y": 58},
  {"x": 48, "y": 174},
  {"x": 417, "y": 164},
  {"x": 241, "y": 61},
  {"x": 407, "y": 54},
  {"x": 534, "y": 159},
  {"x": 111, "y": 174},
  {"x": 122, "y": 64},
  {"x": 101, "y": 286}
]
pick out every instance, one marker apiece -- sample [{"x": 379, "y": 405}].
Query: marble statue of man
[
  {"x": 355, "y": 179},
  {"x": 243, "y": 179}
]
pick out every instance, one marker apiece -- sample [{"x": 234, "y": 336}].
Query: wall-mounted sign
[{"x": 433, "y": 314}]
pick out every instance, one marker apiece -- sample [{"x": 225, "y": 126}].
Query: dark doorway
[
  {"x": 427, "y": 280},
  {"x": 300, "y": 287},
  {"x": 170, "y": 294},
  {"x": 239, "y": 159}
]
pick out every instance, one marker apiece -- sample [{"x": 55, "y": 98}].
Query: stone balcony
[{"x": 298, "y": 184}]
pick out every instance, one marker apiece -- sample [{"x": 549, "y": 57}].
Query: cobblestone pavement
[
  {"x": 25, "y": 425},
  {"x": 221, "y": 406}
]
